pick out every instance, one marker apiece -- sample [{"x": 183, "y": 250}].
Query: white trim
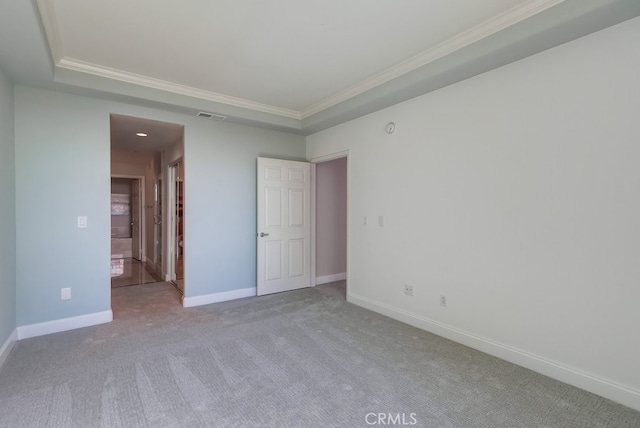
[
  {"x": 314, "y": 190},
  {"x": 325, "y": 158},
  {"x": 64, "y": 324},
  {"x": 606, "y": 388},
  {"x": 473, "y": 35},
  {"x": 172, "y": 234},
  {"x": 331, "y": 278},
  {"x": 331, "y": 156},
  {"x": 8, "y": 345},
  {"x": 175, "y": 88},
  {"x": 207, "y": 299},
  {"x": 50, "y": 24},
  {"x": 500, "y": 22}
]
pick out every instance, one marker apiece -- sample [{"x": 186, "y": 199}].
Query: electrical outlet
[
  {"x": 443, "y": 299},
  {"x": 408, "y": 290},
  {"x": 65, "y": 293}
]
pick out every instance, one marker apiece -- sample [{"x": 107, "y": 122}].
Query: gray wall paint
[
  {"x": 62, "y": 171},
  {"x": 515, "y": 193},
  {"x": 7, "y": 212},
  {"x": 62, "y": 142},
  {"x": 331, "y": 217},
  {"x": 220, "y": 198}
]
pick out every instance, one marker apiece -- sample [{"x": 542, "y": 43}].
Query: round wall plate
[{"x": 390, "y": 127}]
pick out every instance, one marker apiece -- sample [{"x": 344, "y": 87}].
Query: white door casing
[
  {"x": 171, "y": 224},
  {"x": 136, "y": 218},
  {"x": 284, "y": 225},
  {"x": 157, "y": 222}
]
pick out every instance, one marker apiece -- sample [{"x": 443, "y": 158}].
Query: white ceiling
[
  {"x": 293, "y": 65},
  {"x": 159, "y": 135},
  {"x": 286, "y": 54}
]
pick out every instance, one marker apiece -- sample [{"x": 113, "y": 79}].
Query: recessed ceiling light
[{"x": 141, "y": 134}]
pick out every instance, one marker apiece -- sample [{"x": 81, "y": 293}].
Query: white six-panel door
[{"x": 284, "y": 225}]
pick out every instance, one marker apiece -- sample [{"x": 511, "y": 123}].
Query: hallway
[{"x": 127, "y": 271}]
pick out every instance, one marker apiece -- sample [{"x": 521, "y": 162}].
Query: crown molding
[
  {"x": 50, "y": 24},
  {"x": 499, "y": 22},
  {"x": 479, "y": 32},
  {"x": 163, "y": 85}
]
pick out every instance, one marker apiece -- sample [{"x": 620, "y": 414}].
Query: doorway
[
  {"x": 141, "y": 150},
  {"x": 331, "y": 220},
  {"x": 284, "y": 226},
  {"x": 128, "y": 256}
]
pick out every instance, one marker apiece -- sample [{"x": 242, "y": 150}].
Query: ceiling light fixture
[{"x": 141, "y": 134}]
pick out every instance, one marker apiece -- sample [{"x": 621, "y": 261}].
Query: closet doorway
[{"x": 331, "y": 214}]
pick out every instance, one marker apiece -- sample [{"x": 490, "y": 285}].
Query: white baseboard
[
  {"x": 207, "y": 299},
  {"x": 7, "y": 346},
  {"x": 605, "y": 388},
  {"x": 331, "y": 278},
  {"x": 64, "y": 324}
]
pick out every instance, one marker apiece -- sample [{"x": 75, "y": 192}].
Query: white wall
[
  {"x": 331, "y": 218},
  {"x": 7, "y": 216},
  {"x": 514, "y": 193}
]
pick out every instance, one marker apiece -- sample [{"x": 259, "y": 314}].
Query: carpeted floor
[{"x": 305, "y": 358}]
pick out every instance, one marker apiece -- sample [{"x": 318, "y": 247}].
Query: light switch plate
[{"x": 82, "y": 222}]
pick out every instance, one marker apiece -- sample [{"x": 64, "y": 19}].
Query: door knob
[{"x": 262, "y": 234}]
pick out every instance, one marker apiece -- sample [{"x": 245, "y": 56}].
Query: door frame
[
  {"x": 171, "y": 225},
  {"x": 142, "y": 231},
  {"x": 158, "y": 189},
  {"x": 283, "y": 233},
  {"x": 314, "y": 182}
]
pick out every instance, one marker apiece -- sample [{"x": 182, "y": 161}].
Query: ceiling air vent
[{"x": 213, "y": 116}]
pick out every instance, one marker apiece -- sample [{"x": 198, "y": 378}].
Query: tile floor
[{"x": 128, "y": 271}]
